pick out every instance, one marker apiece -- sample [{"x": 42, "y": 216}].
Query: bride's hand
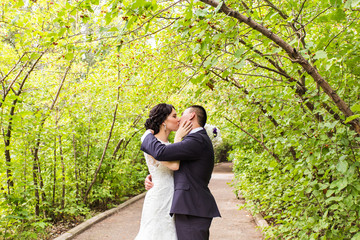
[
  {"x": 183, "y": 130},
  {"x": 148, "y": 182}
]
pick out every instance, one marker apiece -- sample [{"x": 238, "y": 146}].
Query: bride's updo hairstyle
[{"x": 157, "y": 116}]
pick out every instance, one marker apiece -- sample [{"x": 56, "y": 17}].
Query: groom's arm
[{"x": 188, "y": 149}]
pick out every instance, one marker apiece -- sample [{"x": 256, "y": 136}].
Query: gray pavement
[{"x": 234, "y": 225}]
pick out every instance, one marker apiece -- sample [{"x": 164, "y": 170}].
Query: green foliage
[
  {"x": 296, "y": 160},
  {"x": 221, "y": 151},
  {"x": 56, "y": 141},
  {"x": 315, "y": 195},
  {"x": 67, "y": 65}
]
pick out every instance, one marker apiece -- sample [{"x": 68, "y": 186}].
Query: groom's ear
[{"x": 192, "y": 116}]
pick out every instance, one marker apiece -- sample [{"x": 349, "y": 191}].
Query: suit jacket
[{"x": 196, "y": 154}]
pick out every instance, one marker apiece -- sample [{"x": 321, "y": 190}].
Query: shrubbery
[
  {"x": 221, "y": 151},
  {"x": 315, "y": 196}
]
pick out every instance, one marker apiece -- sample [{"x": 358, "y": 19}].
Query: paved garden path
[{"x": 234, "y": 225}]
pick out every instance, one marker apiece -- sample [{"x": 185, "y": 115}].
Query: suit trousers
[{"x": 192, "y": 227}]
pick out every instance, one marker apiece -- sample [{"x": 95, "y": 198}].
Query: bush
[
  {"x": 221, "y": 151},
  {"x": 315, "y": 196}
]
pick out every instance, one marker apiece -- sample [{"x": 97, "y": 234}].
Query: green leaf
[
  {"x": 131, "y": 21},
  {"x": 225, "y": 73},
  {"x": 320, "y": 54},
  {"x": 338, "y": 15},
  {"x": 355, "y": 108},
  {"x": 61, "y": 13},
  {"x": 342, "y": 166},
  {"x": 198, "y": 79},
  {"x": 354, "y": 229},
  {"x": 207, "y": 62},
  {"x": 218, "y": 36},
  {"x": 62, "y": 31},
  {"x": 218, "y": 7},
  {"x": 147, "y": 27},
  {"x": 329, "y": 193},
  {"x": 200, "y": 13},
  {"x": 273, "y": 164},
  {"x": 336, "y": 199},
  {"x": 276, "y": 50},
  {"x": 108, "y": 18},
  {"x": 88, "y": 7},
  {"x": 356, "y": 186},
  {"x": 203, "y": 47},
  {"x": 335, "y": 3},
  {"x": 240, "y": 65},
  {"x": 239, "y": 52},
  {"x": 343, "y": 157},
  {"x": 351, "y": 3},
  {"x": 189, "y": 13},
  {"x": 15, "y": 19},
  {"x": 85, "y": 18},
  {"x": 34, "y": 56},
  {"x": 356, "y": 236},
  {"x": 69, "y": 56},
  {"x": 349, "y": 119},
  {"x": 355, "y": 3},
  {"x": 113, "y": 29},
  {"x": 196, "y": 49},
  {"x": 19, "y": 3},
  {"x": 138, "y": 3},
  {"x": 347, "y": 4},
  {"x": 339, "y": 184},
  {"x": 330, "y": 125}
]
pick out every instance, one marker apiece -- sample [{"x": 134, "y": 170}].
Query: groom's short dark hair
[{"x": 200, "y": 113}]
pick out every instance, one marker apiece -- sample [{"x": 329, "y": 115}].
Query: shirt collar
[{"x": 196, "y": 130}]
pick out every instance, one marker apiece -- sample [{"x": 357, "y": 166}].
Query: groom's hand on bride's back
[{"x": 148, "y": 182}]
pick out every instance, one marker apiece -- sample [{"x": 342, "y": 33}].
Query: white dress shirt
[{"x": 196, "y": 130}]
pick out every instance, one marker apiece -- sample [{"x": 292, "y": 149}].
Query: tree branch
[
  {"x": 106, "y": 147},
  {"x": 253, "y": 137},
  {"x": 294, "y": 54},
  {"x": 3, "y": 79},
  {"x": 61, "y": 84}
]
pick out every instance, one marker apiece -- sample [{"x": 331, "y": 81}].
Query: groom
[{"x": 193, "y": 204}]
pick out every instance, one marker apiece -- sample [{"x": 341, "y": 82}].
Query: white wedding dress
[{"x": 156, "y": 222}]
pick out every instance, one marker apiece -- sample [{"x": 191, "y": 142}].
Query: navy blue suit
[{"x": 192, "y": 197}]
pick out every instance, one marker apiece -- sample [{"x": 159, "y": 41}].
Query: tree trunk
[
  {"x": 36, "y": 167},
  {"x": 7, "y": 138},
  {"x": 36, "y": 150},
  {"x": 87, "y": 158},
  {"x": 54, "y": 176},
  {"x": 35, "y": 179},
  {"x": 25, "y": 166},
  {"x": 117, "y": 148},
  {"x": 106, "y": 147},
  {"x": 63, "y": 175},
  {"x": 76, "y": 168}
]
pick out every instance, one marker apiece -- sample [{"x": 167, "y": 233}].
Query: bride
[{"x": 156, "y": 222}]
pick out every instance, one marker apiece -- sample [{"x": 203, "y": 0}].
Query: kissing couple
[{"x": 178, "y": 204}]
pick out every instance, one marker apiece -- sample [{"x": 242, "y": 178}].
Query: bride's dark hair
[{"x": 157, "y": 116}]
